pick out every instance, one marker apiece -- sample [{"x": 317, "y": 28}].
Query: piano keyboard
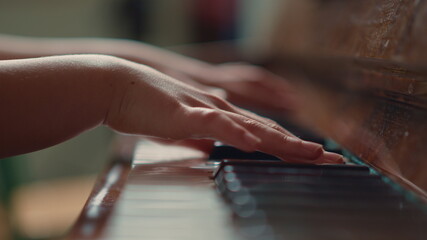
[
  {"x": 257, "y": 199},
  {"x": 274, "y": 200}
]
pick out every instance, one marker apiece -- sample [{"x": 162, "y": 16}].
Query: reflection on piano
[{"x": 360, "y": 69}]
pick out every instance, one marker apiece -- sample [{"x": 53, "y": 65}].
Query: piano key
[
  {"x": 228, "y": 152},
  {"x": 302, "y": 178},
  {"x": 272, "y": 167},
  {"x": 301, "y": 195},
  {"x": 292, "y": 171}
]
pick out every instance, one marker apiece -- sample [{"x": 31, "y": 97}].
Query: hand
[
  {"x": 242, "y": 84},
  {"x": 56, "y": 98},
  {"x": 245, "y": 85},
  {"x": 153, "y": 104}
]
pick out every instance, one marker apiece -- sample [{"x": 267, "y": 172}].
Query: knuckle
[
  {"x": 210, "y": 115},
  {"x": 219, "y": 102},
  {"x": 179, "y": 111},
  {"x": 274, "y": 126},
  {"x": 272, "y": 123},
  {"x": 289, "y": 140},
  {"x": 195, "y": 101},
  {"x": 252, "y": 123},
  {"x": 285, "y": 139}
]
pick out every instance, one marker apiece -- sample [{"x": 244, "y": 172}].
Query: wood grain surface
[{"x": 361, "y": 70}]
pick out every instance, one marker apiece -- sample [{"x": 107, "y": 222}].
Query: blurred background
[{"x": 43, "y": 192}]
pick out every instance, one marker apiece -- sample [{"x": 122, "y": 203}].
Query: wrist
[
  {"x": 115, "y": 76},
  {"x": 127, "y": 80}
]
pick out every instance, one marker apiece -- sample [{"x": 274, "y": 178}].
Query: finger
[
  {"x": 263, "y": 120},
  {"x": 219, "y": 92},
  {"x": 325, "y": 158},
  {"x": 216, "y": 102},
  {"x": 330, "y": 157},
  {"x": 261, "y": 75},
  {"x": 224, "y": 105},
  {"x": 216, "y": 124},
  {"x": 258, "y": 77},
  {"x": 249, "y": 85},
  {"x": 277, "y": 143},
  {"x": 257, "y": 95}
]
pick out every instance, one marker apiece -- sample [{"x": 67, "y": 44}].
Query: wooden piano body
[{"x": 361, "y": 69}]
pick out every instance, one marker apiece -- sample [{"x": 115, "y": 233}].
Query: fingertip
[{"x": 330, "y": 157}]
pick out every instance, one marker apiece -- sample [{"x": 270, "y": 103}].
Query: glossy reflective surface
[
  {"x": 274, "y": 200},
  {"x": 361, "y": 70}
]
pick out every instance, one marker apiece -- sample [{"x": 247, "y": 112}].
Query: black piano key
[
  {"x": 278, "y": 167},
  {"x": 305, "y": 178},
  {"x": 385, "y": 193},
  {"x": 331, "y": 202},
  {"x": 227, "y": 152},
  {"x": 290, "y": 189},
  {"x": 322, "y": 172},
  {"x": 272, "y": 173},
  {"x": 291, "y": 199},
  {"x": 349, "y": 218},
  {"x": 300, "y": 183},
  {"x": 281, "y": 164}
]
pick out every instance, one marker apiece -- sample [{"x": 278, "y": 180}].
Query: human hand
[
  {"x": 245, "y": 85},
  {"x": 150, "y": 103},
  {"x": 242, "y": 84}
]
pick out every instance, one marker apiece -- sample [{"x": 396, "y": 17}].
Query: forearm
[
  {"x": 12, "y": 47},
  {"x": 45, "y": 101}
]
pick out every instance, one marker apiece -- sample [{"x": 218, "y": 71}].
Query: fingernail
[{"x": 311, "y": 150}]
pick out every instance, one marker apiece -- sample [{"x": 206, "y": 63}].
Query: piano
[{"x": 361, "y": 69}]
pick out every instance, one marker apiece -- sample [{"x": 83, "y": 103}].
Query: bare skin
[
  {"x": 45, "y": 101},
  {"x": 240, "y": 83}
]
